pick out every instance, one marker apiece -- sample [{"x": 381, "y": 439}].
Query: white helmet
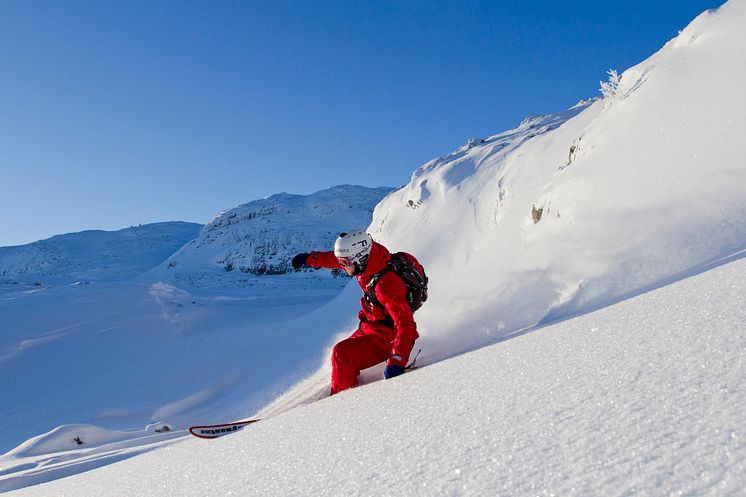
[{"x": 353, "y": 247}]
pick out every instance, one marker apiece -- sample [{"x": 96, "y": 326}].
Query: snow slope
[
  {"x": 548, "y": 221},
  {"x": 116, "y": 353},
  {"x": 119, "y": 255},
  {"x": 641, "y": 398},
  {"x": 563, "y": 216}
]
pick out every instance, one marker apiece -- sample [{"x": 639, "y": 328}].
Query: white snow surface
[
  {"x": 593, "y": 349},
  {"x": 635, "y": 191},
  {"x": 119, "y": 349},
  {"x": 644, "y": 397}
]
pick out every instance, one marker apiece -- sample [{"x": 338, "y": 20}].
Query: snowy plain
[{"x": 584, "y": 333}]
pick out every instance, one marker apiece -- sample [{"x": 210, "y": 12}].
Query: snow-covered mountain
[
  {"x": 262, "y": 236},
  {"x": 122, "y": 254},
  {"x": 548, "y": 220},
  {"x": 547, "y": 248}
]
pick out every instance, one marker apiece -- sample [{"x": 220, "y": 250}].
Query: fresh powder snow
[
  {"x": 644, "y": 397},
  {"x": 121, "y": 352},
  {"x": 586, "y": 286}
]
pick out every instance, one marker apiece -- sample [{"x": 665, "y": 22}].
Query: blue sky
[{"x": 117, "y": 113}]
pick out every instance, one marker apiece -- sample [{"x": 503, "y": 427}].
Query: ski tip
[{"x": 215, "y": 431}]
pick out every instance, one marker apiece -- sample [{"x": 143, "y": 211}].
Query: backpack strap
[{"x": 370, "y": 288}]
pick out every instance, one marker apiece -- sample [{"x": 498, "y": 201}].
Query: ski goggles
[{"x": 346, "y": 261}]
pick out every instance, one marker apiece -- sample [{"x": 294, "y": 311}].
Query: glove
[
  {"x": 299, "y": 261},
  {"x": 392, "y": 371}
]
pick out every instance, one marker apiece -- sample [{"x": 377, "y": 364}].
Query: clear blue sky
[{"x": 116, "y": 113}]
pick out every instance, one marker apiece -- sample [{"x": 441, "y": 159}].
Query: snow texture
[
  {"x": 120, "y": 353},
  {"x": 573, "y": 211},
  {"x": 641, "y": 398},
  {"x": 586, "y": 284}
]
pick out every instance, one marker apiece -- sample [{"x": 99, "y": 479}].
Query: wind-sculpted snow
[{"x": 572, "y": 211}]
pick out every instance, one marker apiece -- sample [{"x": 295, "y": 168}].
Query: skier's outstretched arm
[{"x": 316, "y": 259}]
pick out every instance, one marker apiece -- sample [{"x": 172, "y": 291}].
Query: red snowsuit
[{"x": 383, "y": 332}]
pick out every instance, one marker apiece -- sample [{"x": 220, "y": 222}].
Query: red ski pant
[{"x": 352, "y": 355}]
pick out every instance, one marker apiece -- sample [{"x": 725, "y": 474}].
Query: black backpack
[{"x": 410, "y": 271}]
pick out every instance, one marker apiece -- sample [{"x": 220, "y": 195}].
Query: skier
[{"x": 387, "y": 332}]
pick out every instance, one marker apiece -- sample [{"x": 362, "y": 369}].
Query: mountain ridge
[
  {"x": 98, "y": 254},
  {"x": 261, "y": 237}
]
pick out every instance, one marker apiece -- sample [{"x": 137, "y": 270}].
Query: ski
[{"x": 215, "y": 431}]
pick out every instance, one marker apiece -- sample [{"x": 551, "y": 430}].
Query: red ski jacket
[{"x": 394, "y": 322}]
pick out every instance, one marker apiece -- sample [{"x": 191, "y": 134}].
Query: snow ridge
[{"x": 570, "y": 212}]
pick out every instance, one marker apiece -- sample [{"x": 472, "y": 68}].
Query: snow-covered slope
[
  {"x": 103, "y": 360},
  {"x": 562, "y": 216},
  {"x": 119, "y": 355},
  {"x": 543, "y": 222},
  {"x": 119, "y": 255},
  {"x": 262, "y": 236},
  {"x": 642, "y": 398}
]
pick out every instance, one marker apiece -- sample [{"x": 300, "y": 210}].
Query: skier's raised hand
[{"x": 299, "y": 260}]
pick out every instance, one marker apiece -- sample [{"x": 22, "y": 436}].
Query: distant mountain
[
  {"x": 112, "y": 255},
  {"x": 261, "y": 237}
]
